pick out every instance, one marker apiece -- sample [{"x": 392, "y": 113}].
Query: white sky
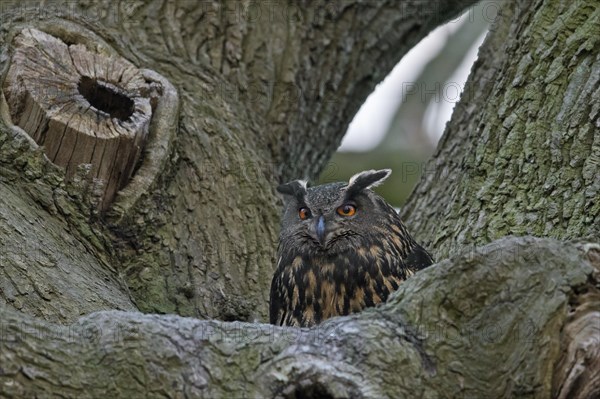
[
  {"x": 374, "y": 117},
  {"x": 438, "y": 113}
]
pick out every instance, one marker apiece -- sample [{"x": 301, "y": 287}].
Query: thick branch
[
  {"x": 520, "y": 155},
  {"x": 487, "y": 323},
  {"x": 44, "y": 270}
]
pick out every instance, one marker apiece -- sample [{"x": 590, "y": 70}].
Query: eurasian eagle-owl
[{"x": 342, "y": 248}]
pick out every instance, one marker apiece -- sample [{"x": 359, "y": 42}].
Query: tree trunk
[
  {"x": 521, "y": 153},
  {"x": 264, "y": 93}
]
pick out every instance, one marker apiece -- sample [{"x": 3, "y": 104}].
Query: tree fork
[{"x": 203, "y": 230}]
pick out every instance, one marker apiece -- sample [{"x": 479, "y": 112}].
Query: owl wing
[
  {"x": 277, "y": 313},
  {"x": 418, "y": 259}
]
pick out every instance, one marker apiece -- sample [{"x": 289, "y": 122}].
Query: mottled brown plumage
[{"x": 342, "y": 248}]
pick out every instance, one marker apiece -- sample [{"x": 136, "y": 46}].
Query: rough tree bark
[
  {"x": 440, "y": 336},
  {"x": 521, "y": 153},
  {"x": 265, "y": 91}
]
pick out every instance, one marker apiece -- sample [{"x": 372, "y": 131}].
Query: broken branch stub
[{"x": 83, "y": 107}]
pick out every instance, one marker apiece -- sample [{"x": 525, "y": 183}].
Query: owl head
[{"x": 332, "y": 218}]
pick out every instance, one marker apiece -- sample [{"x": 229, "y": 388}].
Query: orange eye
[
  {"x": 304, "y": 213},
  {"x": 346, "y": 210}
]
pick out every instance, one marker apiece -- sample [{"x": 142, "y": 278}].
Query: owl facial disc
[{"x": 329, "y": 218}]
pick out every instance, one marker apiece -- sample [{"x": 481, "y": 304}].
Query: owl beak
[{"x": 320, "y": 229}]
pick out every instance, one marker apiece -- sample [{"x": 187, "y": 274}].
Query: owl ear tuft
[
  {"x": 367, "y": 179},
  {"x": 296, "y": 189}
]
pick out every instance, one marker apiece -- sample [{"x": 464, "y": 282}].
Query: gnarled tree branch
[{"x": 506, "y": 307}]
